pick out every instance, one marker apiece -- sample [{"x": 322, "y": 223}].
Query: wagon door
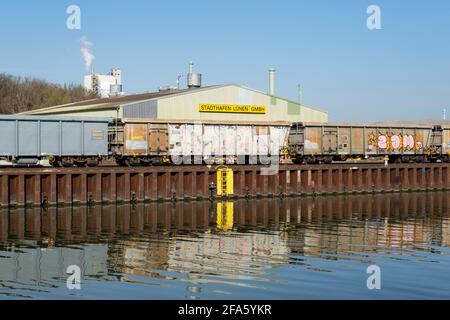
[
  {"x": 330, "y": 140},
  {"x": 158, "y": 138},
  {"x": 136, "y": 142}
]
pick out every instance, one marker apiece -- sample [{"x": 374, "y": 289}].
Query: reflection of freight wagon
[
  {"x": 30, "y": 140},
  {"x": 313, "y": 143},
  {"x": 141, "y": 141}
]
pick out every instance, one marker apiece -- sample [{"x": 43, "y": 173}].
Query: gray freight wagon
[{"x": 49, "y": 140}]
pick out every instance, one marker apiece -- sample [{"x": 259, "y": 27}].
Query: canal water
[{"x": 302, "y": 248}]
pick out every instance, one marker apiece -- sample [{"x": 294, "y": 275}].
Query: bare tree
[{"x": 19, "y": 94}]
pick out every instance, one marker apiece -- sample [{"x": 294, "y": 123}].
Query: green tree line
[{"x": 20, "y": 94}]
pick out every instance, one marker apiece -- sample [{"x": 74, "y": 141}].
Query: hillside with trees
[{"x": 18, "y": 94}]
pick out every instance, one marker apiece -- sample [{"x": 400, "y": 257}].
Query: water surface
[{"x": 305, "y": 248}]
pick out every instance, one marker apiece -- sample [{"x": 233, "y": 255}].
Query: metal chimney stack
[
  {"x": 194, "y": 80},
  {"x": 272, "y": 81}
]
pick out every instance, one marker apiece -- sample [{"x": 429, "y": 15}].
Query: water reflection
[{"x": 218, "y": 250}]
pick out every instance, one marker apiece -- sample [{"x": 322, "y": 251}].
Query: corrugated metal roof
[{"x": 109, "y": 103}]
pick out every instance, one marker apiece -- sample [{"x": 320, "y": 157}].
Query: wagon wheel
[
  {"x": 92, "y": 163},
  {"x": 57, "y": 163},
  {"x": 67, "y": 163}
]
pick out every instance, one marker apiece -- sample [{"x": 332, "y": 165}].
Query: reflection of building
[
  {"x": 226, "y": 252},
  {"x": 208, "y": 250}
]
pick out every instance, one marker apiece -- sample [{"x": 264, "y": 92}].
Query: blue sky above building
[{"x": 399, "y": 72}]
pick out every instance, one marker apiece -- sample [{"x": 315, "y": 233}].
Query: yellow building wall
[{"x": 186, "y": 107}]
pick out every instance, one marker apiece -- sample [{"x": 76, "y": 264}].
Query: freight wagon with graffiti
[
  {"x": 318, "y": 143},
  {"x": 154, "y": 142}
]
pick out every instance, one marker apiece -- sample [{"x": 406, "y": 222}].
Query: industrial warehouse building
[
  {"x": 230, "y": 102},
  {"x": 225, "y": 102}
]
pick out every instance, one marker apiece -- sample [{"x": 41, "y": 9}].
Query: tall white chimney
[{"x": 272, "y": 81}]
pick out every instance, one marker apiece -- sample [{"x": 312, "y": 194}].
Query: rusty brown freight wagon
[
  {"x": 316, "y": 143},
  {"x": 150, "y": 141}
]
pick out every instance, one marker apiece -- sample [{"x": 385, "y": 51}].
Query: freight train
[{"x": 79, "y": 141}]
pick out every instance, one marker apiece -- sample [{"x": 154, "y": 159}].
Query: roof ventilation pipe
[
  {"x": 194, "y": 80},
  {"x": 272, "y": 81}
]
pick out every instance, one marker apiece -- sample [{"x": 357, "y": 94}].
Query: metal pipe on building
[
  {"x": 194, "y": 80},
  {"x": 272, "y": 72}
]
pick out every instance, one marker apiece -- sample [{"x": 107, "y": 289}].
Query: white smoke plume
[{"x": 86, "y": 52}]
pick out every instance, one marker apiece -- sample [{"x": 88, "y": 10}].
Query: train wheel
[
  {"x": 135, "y": 162},
  {"x": 57, "y": 164},
  {"x": 406, "y": 159},
  {"x": 395, "y": 159},
  {"x": 123, "y": 162},
  {"x": 92, "y": 163},
  {"x": 67, "y": 163},
  {"x": 420, "y": 159}
]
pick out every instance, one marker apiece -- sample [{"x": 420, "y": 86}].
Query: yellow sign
[{"x": 231, "y": 108}]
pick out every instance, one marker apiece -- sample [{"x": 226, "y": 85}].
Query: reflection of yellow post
[
  {"x": 225, "y": 182},
  {"x": 225, "y": 216}
]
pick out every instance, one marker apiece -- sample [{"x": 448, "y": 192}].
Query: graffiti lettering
[
  {"x": 395, "y": 142},
  {"x": 408, "y": 142},
  {"x": 382, "y": 142}
]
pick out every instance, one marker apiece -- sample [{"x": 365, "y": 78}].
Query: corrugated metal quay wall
[{"x": 66, "y": 186}]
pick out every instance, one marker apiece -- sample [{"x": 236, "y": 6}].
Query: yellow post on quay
[{"x": 225, "y": 181}]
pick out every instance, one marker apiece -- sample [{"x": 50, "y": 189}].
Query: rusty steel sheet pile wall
[{"x": 67, "y": 186}]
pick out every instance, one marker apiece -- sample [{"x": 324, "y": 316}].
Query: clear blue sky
[{"x": 399, "y": 72}]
